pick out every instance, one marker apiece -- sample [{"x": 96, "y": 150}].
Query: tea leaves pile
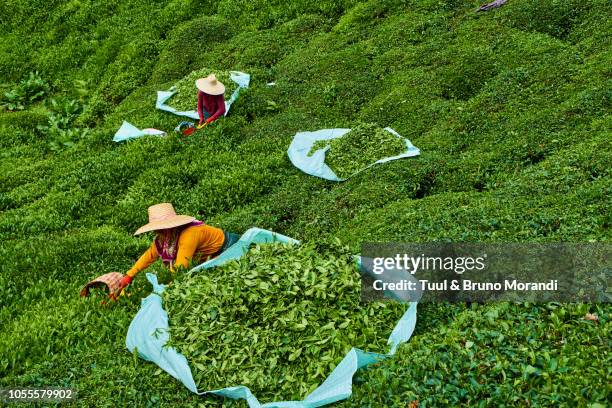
[
  {"x": 277, "y": 321},
  {"x": 362, "y": 146}
]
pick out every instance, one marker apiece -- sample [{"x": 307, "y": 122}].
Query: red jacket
[{"x": 214, "y": 105}]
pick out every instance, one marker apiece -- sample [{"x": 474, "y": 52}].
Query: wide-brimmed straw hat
[
  {"x": 210, "y": 85},
  {"x": 163, "y": 216}
]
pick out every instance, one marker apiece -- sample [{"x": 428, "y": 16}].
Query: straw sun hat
[
  {"x": 163, "y": 216},
  {"x": 210, "y": 85}
]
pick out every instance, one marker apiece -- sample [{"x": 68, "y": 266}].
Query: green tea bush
[
  {"x": 262, "y": 49},
  {"x": 277, "y": 321},
  {"x": 20, "y": 128},
  {"x": 555, "y": 18},
  {"x": 258, "y": 101},
  {"x": 260, "y": 14},
  {"x": 131, "y": 69},
  {"x": 464, "y": 76},
  {"x": 361, "y": 146},
  {"x": 187, "y": 45},
  {"x": 86, "y": 252},
  {"x": 499, "y": 354}
]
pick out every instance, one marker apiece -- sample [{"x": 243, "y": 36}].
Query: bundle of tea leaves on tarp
[
  {"x": 186, "y": 97},
  {"x": 363, "y": 145},
  {"x": 278, "y": 320}
]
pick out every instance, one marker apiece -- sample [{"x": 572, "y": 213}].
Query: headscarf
[{"x": 168, "y": 248}]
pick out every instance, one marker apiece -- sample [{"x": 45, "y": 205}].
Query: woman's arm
[
  {"x": 144, "y": 261},
  {"x": 201, "y": 106},
  {"x": 220, "y": 101}
]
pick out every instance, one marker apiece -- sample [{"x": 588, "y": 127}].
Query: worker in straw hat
[
  {"x": 178, "y": 240},
  {"x": 211, "y": 103}
]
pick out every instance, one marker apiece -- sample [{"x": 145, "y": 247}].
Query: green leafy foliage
[
  {"x": 549, "y": 355},
  {"x": 59, "y": 129},
  {"x": 29, "y": 90},
  {"x": 200, "y": 34},
  {"x": 277, "y": 321},
  {"x": 361, "y": 146},
  {"x": 510, "y": 108}
]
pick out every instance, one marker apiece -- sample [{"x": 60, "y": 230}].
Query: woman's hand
[{"x": 123, "y": 283}]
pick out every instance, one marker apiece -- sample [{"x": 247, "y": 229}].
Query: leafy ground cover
[{"x": 510, "y": 109}]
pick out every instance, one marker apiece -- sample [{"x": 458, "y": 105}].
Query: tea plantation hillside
[{"x": 510, "y": 108}]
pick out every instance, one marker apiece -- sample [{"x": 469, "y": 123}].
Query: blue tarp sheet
[
  {"x": 128, "y": 131},
  {"x": 149, "y": 332},
  {"x": 315, "y": 165}
]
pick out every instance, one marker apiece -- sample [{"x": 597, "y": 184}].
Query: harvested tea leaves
[
  {"x": 360, "y": 147},
  {"x": 285, "y": 330}
]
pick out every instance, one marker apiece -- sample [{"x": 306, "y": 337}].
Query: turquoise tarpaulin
[
  {"x": 240, "y": 78},
  {"x": 128, "y": 131},
  {"x": 149, "y": 332},
  {"x": 315, "y": 164}
]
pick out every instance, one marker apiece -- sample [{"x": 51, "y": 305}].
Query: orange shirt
[{"x": 199, "y": 242}]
